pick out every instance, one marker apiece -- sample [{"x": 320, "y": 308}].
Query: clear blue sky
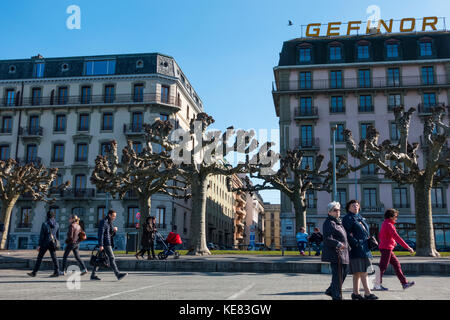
[{"x": 227, "y": 49}]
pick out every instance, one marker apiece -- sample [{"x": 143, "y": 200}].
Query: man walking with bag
[
  {"x": 48, "y": 240},
  {"x": 105, "y": 233}
]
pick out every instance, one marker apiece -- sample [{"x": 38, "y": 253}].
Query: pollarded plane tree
[
  {"x": 140, "y": 174},
  {"x": 200, "y": 155},
  {"x": 400, "y": 163},
  {"x": 17, "y": 180},
  {"x": 295, "y": 179}
]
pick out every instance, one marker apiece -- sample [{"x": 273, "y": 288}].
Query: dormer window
[
  {"x": 305, "y": 53},
  {"x": 425, "y": 47},
  {"x": 363, "y": 50},
  {"x": 335, "y": 49},
  {"x": 392, "y": 48}
]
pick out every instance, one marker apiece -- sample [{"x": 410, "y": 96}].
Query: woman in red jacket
[{"x": 389, "y": 237}]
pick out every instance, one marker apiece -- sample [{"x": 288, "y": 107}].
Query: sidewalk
[{"x": 25, "y": 259}]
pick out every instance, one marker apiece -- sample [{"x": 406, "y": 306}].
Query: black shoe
[
  {"x": 370, "y": 297},
  {"x": 31, "y": 274},
  {"x": 95, "y": 278},
  {"x": 55, "y": 275},
  {"x": 83, "y": 272},
  {"x": 121, "y": 276},
  {"x": 328, "y": 292},
  {"x": 357, "y": 297}
]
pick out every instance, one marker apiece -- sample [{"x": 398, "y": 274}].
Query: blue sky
[{"x": 227, "y": 49}]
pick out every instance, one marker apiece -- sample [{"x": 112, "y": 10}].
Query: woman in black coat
[
  {"x": 360, "y": 255},
  {"x": 335, "y": 250},
  {"x": 148, "y": 238}
]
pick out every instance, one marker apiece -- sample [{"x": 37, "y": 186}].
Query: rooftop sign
[{"x": 388, "y": 26}]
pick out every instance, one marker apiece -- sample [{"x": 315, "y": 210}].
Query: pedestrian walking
[
  {"x": 106, "y": 232},
  {"x": 358, "y": 235},
  {"x": 389, "y": 238},
  {"x": 48, "y": 241},
  {"x": 148, "y": 239},
  {"x": 335, "y": 250},
  {"x": 315, "y": 241},
  {"x": 72, "y": 243},
  {"x": 302, "y": 240}
]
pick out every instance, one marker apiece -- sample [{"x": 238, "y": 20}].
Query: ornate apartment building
[
  {"x": 63, "y": 112},
  {"x": 354, "y": 82},
  {"x": 272, "y": 226}
]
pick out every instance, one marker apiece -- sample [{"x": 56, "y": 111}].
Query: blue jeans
[
  {"x": 316, "y": 247},
  {"x": 301, "y": 246}
]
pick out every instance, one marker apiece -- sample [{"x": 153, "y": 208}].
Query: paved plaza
[{"x": 15, "y": 284}]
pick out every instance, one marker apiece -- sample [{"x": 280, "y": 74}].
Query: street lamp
[{"x": 333, "y": 131}]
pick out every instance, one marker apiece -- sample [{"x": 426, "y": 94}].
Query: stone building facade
[
  {"x": 63, "y": 112},
  {"x": 354, "y": 82},
  {"x": 272, "y": 226}
]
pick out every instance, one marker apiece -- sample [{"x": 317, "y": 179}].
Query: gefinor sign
[{"x": 405, "y": 25}]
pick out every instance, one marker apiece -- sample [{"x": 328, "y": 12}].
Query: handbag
[
  {"x": 99, "y": 259},
  {"x": 82, "y": 236},
  {"x": 372, "y": 243}
]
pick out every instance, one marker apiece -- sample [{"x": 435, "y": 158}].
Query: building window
[
  {"x": 407, "y": 231},
  {"x": 305, "y": 80},
  {"x": 132, "y": 220},
  {"x": 305, "y": 106},
  {"x": 429, "y": 100},
  {"x": 307, "y": 163},
  {"x": 161, "y": 217},
  {"x": 394, "y": 100},
  {"x": 342, "y": 196},
  {"x": 310, "y": 200},
  {"x": 393, "y": 77},
  {"x": 363, "y": 51},
  {"x": 364, "y": 78},
  {"x": 101, "y": 213},
  {"x": 305, "y": 54},
  {"x": 401, "y": 198},
  {"x": 364, "y": 129},
  {"x": 437, "y": 198},
  {"x": 58, "y": 153},
  {"x": 63, "y": 96},
  {"x": 80, "y": 182},
  {"x": 335, "y": 53},
  {"x": 60, "y": 125},
  {"x": 137, "y": 121},
  {"x": 31, "y": 153},
  {"x": 99, "y": 67},
  {"x": 307, "y": 136},
  {"x": 4, "y": 152},
  {"x": 339, "y": 135},
  {"x": 165, "y": 94},
  {"x": 36, "y": 96},
  {"x": 104, "y": 148},
  {"x": 370, "y": 199},
  {"x": 109, "y": 94},
  {"x": 336, "y": 79},
  {"x": 25, "y": 218},
  {"x": 163, "y": 117},
  {"x": 38, "y": 70},
  {"x": 107, "y": 121},
  {"x": 86, "y": 95},
  {"x": 369, "y": 169},
  {"x": 56, "y": 183},
  {"x": 392, "y": 50},
  {"x": 82, "y": 152},
  {"x": 337, "y": 104},
  {"x": 33, "y": 124},
  {"x": 10, "y": 97},
  {"x": 426, "y": 48},
  {"x": 138, "y": 92},
  {"x": 395, "y": 132},
  {"x": 83, "y": 124},
  {"x": 442, "y": 235},
  {"x": 6, "y": 124},
  {"x": 365, "y": 103},
  {"x": 427, "y": 76},
  {"x": 137, "y": 147}
]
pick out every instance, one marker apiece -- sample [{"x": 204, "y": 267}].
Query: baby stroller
[{"x": 170, "y": 243}]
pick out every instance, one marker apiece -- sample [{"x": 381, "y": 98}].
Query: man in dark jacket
[
  {"x": 335, "y": 250},
  {"x": 105, "y": 233},
  {"x": 47, "y": 241},
  {"x": 315, "y": 240}
]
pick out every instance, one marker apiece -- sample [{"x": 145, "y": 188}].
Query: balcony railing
[
  {"x": 94, "y": 99},
  {"x": 356, "y": 83},
  {"x": 426, "y": 109},
  {"x": 77, "y": 193},
  {"x": 375, "y": 209},
  {"x": 306, "y": 113},
  {"x": 6, "y": 130},
  {"x": 311, "y": 143},
  {"x": 31, "y": 131},
  {"x": 133, "y": 129},
  {"x": 34, "y": 160}
]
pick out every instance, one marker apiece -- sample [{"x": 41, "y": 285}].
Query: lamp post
[{"x": 333, "y": 131}]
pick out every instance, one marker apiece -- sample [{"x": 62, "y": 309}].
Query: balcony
[
  {"x": 24, "y": 225},
  {"x": 77, "y": 193},
  {"x": 358, "y": 84},
  {"x": 6, "y": 130},
  {"x": 146, "y": 98},
  {"x": 426, "y": 109},
  {"x": 36, "y": 161},
  {"x": 133, "y": 129},
  {"x": 306, "y": 113},
  {"x": 307, "y": 144},
  {"x": 31, "y": 132},
  {"x": 366, "y": 108},
  {"x": 373, "y": 209}
]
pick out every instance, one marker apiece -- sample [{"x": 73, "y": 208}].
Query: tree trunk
[
  {"x": 7, "y": 208},
  {"x": 300, "y": 213},
  {"x": 197, "y": 241},
  {"x": 425, "y": 243}
]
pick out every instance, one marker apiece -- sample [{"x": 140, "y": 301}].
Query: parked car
[
  {"x": 410, "y": 243},
  {"x": 212, "y": 246}
]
